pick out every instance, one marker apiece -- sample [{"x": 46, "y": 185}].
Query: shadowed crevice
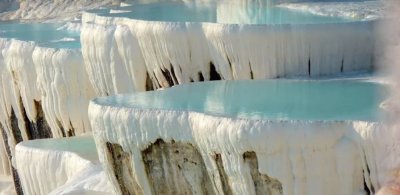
[
  {"x": 222, "y": 174},
  {"x": 214, "y": 75},
  {"x": 15, "y": 128},
  {"x": 149, "y": 83},
  {"x": 368, "y": 191},
  {"x": 173, "y": 75},
  {"x": 229, "y": 62},
  {"x": 342, "y": 66},
  {"x": 168, "y": 76},
  {"x": 71, "y": 132},
  {"x": 39, "y": 129},
  {"x": 309, "y": 66},
  {"x": 61, "y": 128},
  {"x": 201, "y": 77},
  {"x": 251, "y": 72}
]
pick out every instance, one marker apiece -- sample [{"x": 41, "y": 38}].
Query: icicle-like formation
[
  {"x": 5, "y": 110},
  {"x": 54, "y": 79},
  {"x": 4, "y": 161},
  {"x": 44, "y": 93},
  {"x": 173, "y": 53},
  {"x": 46, "y": 165},
  {"x": 291, "y": 152},
  {"x": 18, "y": 58},
  {"x": 65, "y": 89},
  {"x": 18, "y": 93}
]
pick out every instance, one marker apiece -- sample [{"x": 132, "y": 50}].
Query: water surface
[
  {"x": 44, "y": 34},
  {"x": 266, "y": 99},
  {"x": 227, "y": 12},
  {"x": 84, "y": 146}
]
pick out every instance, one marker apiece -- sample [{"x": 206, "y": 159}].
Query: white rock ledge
[
  {"x": 156, "y": 54},
  {"x": 137, "y": 147}
]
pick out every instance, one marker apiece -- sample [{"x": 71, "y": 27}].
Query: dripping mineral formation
[{"x": 269, "y": 136}]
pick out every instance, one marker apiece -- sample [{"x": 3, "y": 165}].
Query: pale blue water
[
  {"x": 266, "y": 99},
  {"x": 81, "y": 145},
  {"x": 45, "y": 34},
  {"x": 229, "y": 12}
]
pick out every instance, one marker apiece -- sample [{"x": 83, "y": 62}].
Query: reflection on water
[
  {"x": 229, "y": 12},
  {"x": 272, "y": 99},
  {"x": 45, "y": 34}
]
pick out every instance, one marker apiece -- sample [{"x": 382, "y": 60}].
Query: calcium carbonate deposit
[{"x": 119, "y": 97}]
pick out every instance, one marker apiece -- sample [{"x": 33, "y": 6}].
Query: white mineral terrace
[
  {"x": 157, "y": 50},
  {"x": 50, "y": 72},
  {"x": 61, "y": 166},
  {"x": 216, "y": 119},
  {"x": 44, "y": 86}
]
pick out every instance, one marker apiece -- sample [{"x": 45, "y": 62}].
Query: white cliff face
[
  {"x": 56, "y": 78},
  {"x": 65, "y": 89},
  {"x": 171, "y": 53},
  {"x": 23, "y": 72},
  {"x": 53, "y": 77},
  {"x": 18, "y": 93},
  {"x": 45, "y": 93}
]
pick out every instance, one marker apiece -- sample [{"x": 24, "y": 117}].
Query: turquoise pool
[
  {"x": 227, "y": 12},
  {"x": 266, "y": 99},
  {"x": 81, "y": 145},
  {"x": 44, "y": 34}
]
